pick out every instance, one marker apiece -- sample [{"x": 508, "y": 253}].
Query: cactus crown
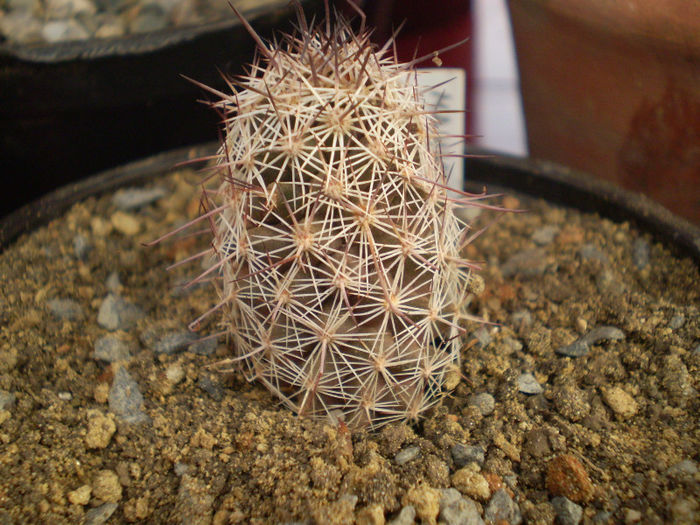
[{"x": 337, "y": 249}]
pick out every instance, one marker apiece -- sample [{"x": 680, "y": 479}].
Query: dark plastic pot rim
[
  {"x": 540, "y": 179},
  {"x": 128, "y": 45}
]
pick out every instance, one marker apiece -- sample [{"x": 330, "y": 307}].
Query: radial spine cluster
[{"x": 337, "y": 249}]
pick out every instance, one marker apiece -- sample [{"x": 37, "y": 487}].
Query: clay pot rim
[
  {"x": 541, "y": 179},
  {"x": 672, "y": 26}
]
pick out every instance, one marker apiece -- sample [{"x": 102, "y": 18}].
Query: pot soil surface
[{"x": 579, "y": 403}]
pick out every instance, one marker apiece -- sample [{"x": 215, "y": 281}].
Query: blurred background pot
[{"x": 613, "y": 88}]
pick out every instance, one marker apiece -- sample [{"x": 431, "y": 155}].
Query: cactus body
[{"x": 336, "y": 244}]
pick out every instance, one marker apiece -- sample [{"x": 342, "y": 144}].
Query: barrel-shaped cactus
[{"x": 337, "y": 249}]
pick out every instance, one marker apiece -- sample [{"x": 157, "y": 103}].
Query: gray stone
[
  {"x": 125, "y": 398},
  {"x": 484, "y": 402},
  {"x": 591, "y": 252},
  {"x": 118, "y": 314},
  {"x": 64, "y": 10},
  {"x": 458, "y": 510},
  {"x": 111, "y": 348},
  {"x": 65, "y": 309},
  {"x": 640, "y": 253},
  {"x": 174, "y": 342},
  {"x": 482, "y": 337},
  {"x": 81, "y": 247},
  {"x": 463, "y": 455},
  {"x": 113, "y": 283},
  {"x": 407, "y": 516},
  {"x": 100, "y": 514},
  {"x": 545, "y": 235},
  {"x": 21, "y": 26},
  {"x": 63, "y": 31},
  {"x": 527, "y": 384},
  {"x": 686, "y": 468},
  {"x": 7, "y": 400},
  {"x": 582, "y": 345},
  {"x": 501, "y": 508},
  {"x": 152, "y": 17},
  {"x": 568, "y": 513},
  {"x": 407, "y": 454},
  {"x": 133, "y": 198},
  {"x": 676, "y": 321},
  {"x": 206, "y": 346},
  {"x": 211, "y": 387},
  {"x": 527, "y": 263}
]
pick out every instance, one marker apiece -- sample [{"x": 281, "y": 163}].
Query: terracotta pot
[{"x": 613, "y": 88}]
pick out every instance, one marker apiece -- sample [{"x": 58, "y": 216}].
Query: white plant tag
[{"x": 451, "y": 94}]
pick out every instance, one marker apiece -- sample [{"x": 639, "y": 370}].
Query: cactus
[{"x": 336, "y": 244}]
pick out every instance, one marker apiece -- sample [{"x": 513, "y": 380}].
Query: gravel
[
  {"x": 125, "y": 399},
  {"x": 581, "y": 346},
  {"x": 117, "y": 313},
  {"x": 65, "y": 309},
  {"x": 111, "y": 348},
  {"x": 527, "y": 384},
  {"x": 463, "y": 455},
  {"x": 502, "y": 508},
  {"x": 129, "y": 199},
  {"x": 568, "y": 513},
  {"x": 406, "y": 455}
]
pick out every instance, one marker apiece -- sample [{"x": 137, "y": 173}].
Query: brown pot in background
[{"x": 613, "y": 88}]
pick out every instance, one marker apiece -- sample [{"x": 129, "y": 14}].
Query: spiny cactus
[{"x": 337, "y": 248}]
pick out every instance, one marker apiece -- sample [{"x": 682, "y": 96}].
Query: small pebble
[
  {"x": 686, "y": 468},
  {"x": 111, "y": 348},
  {"x": 106, "y": 487},
  {"x": 582, "y": 345},
  {"x": 407, "y": 516},
  {"x": 591, "y": 252},
  {"x": 81, "y": 247},
  {"x": 485, "y": 402},
  {"x": 7, "y": 400},
  {"x": 129, "y": 199},
  {"x": 100, "y": 515},
  {"x": 527, "y": 384},
  {"x": 211, "y": 387},
  {"x": 676, "y": 321},
  {"x": 457, "y": 510},
  {"x": 426, "y": 501},
  {"x": 567, "y": 477},
  {"x": 125, "y": 398},
  {"x": 118, "y": 314},
  {"x": 150, "y": 18},
  {"x": 568, "y": 513},
  {"x": 174, "y": 342},
  {"x": 113, "y": 283},
  {"x": 65, "y": 396},
  {"x": 205, "y": 346},
  {"x": 471, "y": 483},
  {"x": 502, "y": 509},
  {"x": 545, "y": 235},
  {"x": 100, "y": 429},
  {"x": 463, "y": 455},
  {"x": 65, "y": 309},
  {"x": 620, "y": 402},
  {"x": 528, "y": 263},
  {"x": 80, "y": 496},
  {"x": 125, "y": 223},
  {"x": 640, "y": 253},
  {"x": 174, "y": 373},
  {"x": 195, "y": 500},
  {"x": 63, "y": 31},
  {"x": 408, "y": 454},
  {"x": 482, "y": 336}
]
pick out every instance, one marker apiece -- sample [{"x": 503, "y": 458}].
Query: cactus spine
[{"x": 336, "y": 244}]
